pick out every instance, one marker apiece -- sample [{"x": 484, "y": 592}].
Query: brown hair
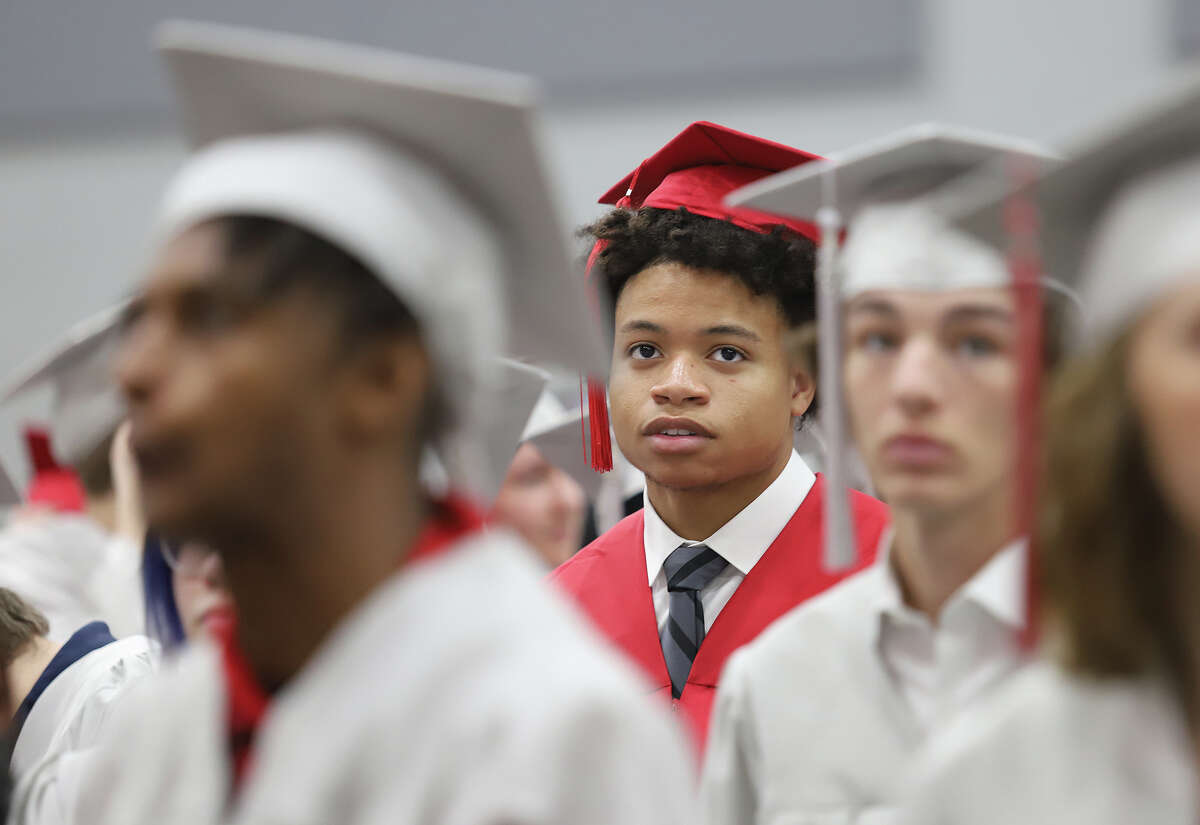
[
  {"x": 20, "y": 626},
  {"x": 1118, "y": 583}
]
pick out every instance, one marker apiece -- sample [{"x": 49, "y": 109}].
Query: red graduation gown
[{"x": 608, "y": 580}]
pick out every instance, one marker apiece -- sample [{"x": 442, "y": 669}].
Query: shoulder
[{"x": 618, "y": 544}]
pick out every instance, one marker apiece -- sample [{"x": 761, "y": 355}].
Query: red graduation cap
[{"x": 695, "y": 170}]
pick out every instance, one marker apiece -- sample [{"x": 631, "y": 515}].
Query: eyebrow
[
  {"x": 734, "y": 330},
  {"x": 977, "y": 312},
  {"x": 643, "y": 326},
  {"x": 875, "y": 306}
]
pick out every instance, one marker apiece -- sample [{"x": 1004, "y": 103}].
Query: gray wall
[{"x": 78, "y": 182}]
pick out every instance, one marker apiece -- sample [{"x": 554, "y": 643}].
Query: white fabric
[
  {"x": 401, "y": 220},
  {"x": 812, "y": 725},
  {"x": 463, "y": 691},
  {"x": 1147, "y": 242},
  {"x": 1051, "y": 748},
  {"x": 741, "y": 541},
  {"x": 57, "y": 745},
  {"x": 938, "y": 668},
  {"x": 74, "y": 572},
  {"x": 906, "y": 246}
]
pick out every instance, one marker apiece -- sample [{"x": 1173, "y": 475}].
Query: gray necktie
[{"x": 689, "y": 568}]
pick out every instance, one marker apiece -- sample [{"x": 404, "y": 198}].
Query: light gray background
[{"x": 85, "y": 143}]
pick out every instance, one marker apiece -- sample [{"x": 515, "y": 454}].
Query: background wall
[{"x": 85, "y": 140}]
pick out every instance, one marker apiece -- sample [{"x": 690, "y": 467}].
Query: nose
[
  {"x": 680, "y": 383},
  {"x": 916, "y": 377},
  {"x": 138, "y": 361}
]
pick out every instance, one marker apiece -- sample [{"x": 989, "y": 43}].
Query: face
[
  {"x": 544, "y": 504},
  {"x": 702, "y": 392},
  {"x": 931, "y": 382},
  {"x": 201, "y": 594},
  {"x": 235, "y": 404},
  {"x": 1163, "y": 375}
]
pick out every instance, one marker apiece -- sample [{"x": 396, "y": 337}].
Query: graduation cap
[
  {"x": 1118, "y": 219},
  {"x": 428, "y": 172},
  {"x": 695, "y": 170},
  {"x": 554, "y": 430},
  {"x": 86, "y": 406},
  {"x": 893, "y": 242}
]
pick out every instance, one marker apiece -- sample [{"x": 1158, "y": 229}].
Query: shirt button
[{"x": 675, "y": 705}]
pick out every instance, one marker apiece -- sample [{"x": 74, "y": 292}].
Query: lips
[
  {"x": 676, "y": 436},
  {"x": 917, "y": 452}
]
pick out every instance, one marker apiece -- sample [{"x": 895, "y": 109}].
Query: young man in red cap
[{"x": 704, "y": 401}]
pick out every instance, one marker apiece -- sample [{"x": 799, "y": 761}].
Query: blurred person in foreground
[
  {"x": 1106, "y": 728},
  {"x": 823, "y": 713},
  {"x": 63, "y": 696},
  {"x": 334, "y": 267},
  {"x": 705, "y": 402}
]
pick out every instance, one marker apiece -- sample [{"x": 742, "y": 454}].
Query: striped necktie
[{"x": 689, "y": 569}]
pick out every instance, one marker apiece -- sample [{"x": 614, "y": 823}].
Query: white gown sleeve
[{"x": 729, "y": 781}]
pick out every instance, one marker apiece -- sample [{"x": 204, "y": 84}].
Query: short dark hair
[
  {"x": 780, "y": 263},
  {"x": 286, "y": 256},
  {"x": 21, "y": 625}
]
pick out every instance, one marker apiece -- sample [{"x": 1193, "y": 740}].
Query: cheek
[{"x": 865, "y": 389}]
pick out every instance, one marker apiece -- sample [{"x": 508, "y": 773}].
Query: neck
[
  {"x": 935, "y": 554},
  {"x": 695, "y": 513},
  {"x": 27, "y": 667},
  {"x": 103, "y": 510},
  {"x": 295, "y": 585}
]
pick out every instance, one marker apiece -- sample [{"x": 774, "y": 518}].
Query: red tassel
[
  {"x": 41, "y": 456},
  {"x": 601, "y": 441}
]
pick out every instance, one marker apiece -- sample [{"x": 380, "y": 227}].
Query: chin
[{"x": 924, "y": 492}]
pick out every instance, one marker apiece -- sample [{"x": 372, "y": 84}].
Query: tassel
[
  {"x": 41, "y": 455},
  {"x": 601, "y": 440}
]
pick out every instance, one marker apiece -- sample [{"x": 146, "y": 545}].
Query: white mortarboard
[
  {"x": 1120, "y": 219},
  {"x": 555, "y": 431},
  {"x": 86, "y": 406},
  {"x": 512, "y": 398},
  {"x": 428, "y": 172},
  {"x": 893, "y": 242}
]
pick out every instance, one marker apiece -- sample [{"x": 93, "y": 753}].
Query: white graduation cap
[
  {"x": 479, "y": 466},
  {"x": 1120, "y": 219},
  {"x": 555, "y": 431},
  {"x": 428, "y": 172},
  {"x": 893, "y": 242},
  {"x": 86, "y": 406}
]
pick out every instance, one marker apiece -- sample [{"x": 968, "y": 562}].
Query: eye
[
  {"x": 204, "y": 312},
  {"x": 728, "y": 355},
  {"x": 976, "y": 346},
  {"x": 878, "y": 342},
  {"x": 643, "y": 352}
]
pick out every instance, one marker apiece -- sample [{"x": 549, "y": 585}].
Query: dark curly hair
[{"x": 780, "y": 264}]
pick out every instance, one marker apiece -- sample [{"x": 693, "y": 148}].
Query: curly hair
[{"x": 780, "y": 264}]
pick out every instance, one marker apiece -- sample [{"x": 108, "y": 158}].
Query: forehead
[
  {"x": 196, "y": 253},
  {"x": 916, "y": 305},
  {"x": 672, "y": 288}
]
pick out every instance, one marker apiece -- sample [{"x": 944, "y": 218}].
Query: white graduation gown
[
  {"x": 811, "y": 728},
  {"x": 74, "y": 572},
  {"x": 58, "y": 740},
  {"x": 1053, "y": 748},
  {"x": 463, "y": 691}
]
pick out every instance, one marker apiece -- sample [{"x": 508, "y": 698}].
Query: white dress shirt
[
  {"x": 819, "y": 720},
  {"x": 1058, "y": 748},
  {"x": 464, "y": 690},
  {"x": 741, "y": 541}
]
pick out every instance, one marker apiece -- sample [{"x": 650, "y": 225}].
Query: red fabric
[
  {"x": 454, "y": 518},
  {"x": 608, "y": 581},
  {"x": 53, "y": 485},
  {"x": 703, "y": 164}
]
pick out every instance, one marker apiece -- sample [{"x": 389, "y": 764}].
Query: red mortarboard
[{"x": 696, "y": 170}]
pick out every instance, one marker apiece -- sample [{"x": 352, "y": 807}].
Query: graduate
[
  {"x": 823, "y": 713},
  {"x": 334, "y": 268},
  {"x": 1104, "y": 730},
  {"x": 63, "y": 695},
  {"x": 65, "y": 551},
  {"x": 704, "y": 400},
  {"x": 549, "y": 483}
]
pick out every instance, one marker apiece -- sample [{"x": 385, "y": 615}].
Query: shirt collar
[
  {"x": 998, "y": 587},
  {"x": 743, "y": 539}
]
